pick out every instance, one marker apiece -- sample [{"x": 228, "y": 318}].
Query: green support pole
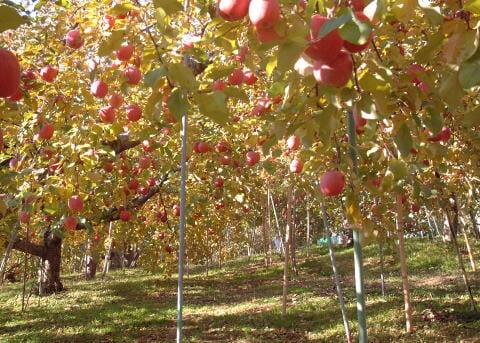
[{"x": 357, "y": 243}]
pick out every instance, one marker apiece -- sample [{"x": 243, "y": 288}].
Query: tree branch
[
  {"x": 28, "y": 247},
  {"x": 122, "y": 143}
]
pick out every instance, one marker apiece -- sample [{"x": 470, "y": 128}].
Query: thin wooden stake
[
  {"x": 403, "y": 264},
  {"x": 287, "y": 252}
]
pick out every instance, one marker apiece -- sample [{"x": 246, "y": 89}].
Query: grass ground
[{"x": 240, "y": 302}]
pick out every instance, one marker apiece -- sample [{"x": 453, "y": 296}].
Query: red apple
[
  {"x": 293, "y": 142},
  {"x": 125, "y": 52},
  {"x": 296, "y": 166},
  {"x": 232, "y": 10},
  {"x": 236, "y": 77},
  {"x": 226, "y": 160},
  {"x": 133, "y": 112},
  {"x": 75, "y": 203},
  {"x": 218, "y": 182},
  {"x": 48, "y": 73},
  {"x": 264, "y": 13},
  {"x": 326, "y": 49},
  {"x": 218, "y": 85},
  {"x": 28, "y": 79},
  {"x": 133, "y": 184},
  {"x": 143, "y": 190},
  {"x": 10, "y": 73},
  {"x": 107, "y": 114},
  {"x": 70, "y": 223},
  {"x": 125, "y": 215},
  {"x": 358, "y": 5},
  {"x": 99, "y": 89},
  {"x": 222, "y": 147},
  {"x": 108, "y": 167},
  {"x": 335, "y": 74},
  {"x": 133, "y": 75},
  {"x": 73, "y": 39},
  {"x": 253, "y": 158},
  {"x": 332, "y": 182},
  {"x": 145, "y": 162},
  {"x": 109, "y": 21},
  {"x": 176, "y": 210},
  {"x": 24, "y": 217},
  {"x": 115, "y": 100},
  {"x": 249, "y": 77},
  {"x": 16, "y": 96},
  {"x": 151, "y": 182},
  {"x": 415, "y": 208},
  {"x": 268, "y": 34},
  {"x": 46, "y": 132}
]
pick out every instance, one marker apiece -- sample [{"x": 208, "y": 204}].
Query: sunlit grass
[{"x": 240, "y": 303}]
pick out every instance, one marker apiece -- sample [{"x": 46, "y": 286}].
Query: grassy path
[{"x": 241, "y": 303}]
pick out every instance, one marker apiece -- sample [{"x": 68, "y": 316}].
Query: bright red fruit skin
[
  {"x": 264, "y": 13},
  {"x": 99, "y": 89},
  {"x": 115, "y": 100},
  {"x": 293, "y": 142},
  {"x": 232, "y": 10},
  {"x": 46, "y": 132},
  {"x": 125, "y": 215},
  {"x": 218, "y": 182},
  {"x": 9, "y": 72},
  {"x": 218, "y": 85},
  {"x": 48, "y": 73},
  {"x": 335, "y": 74},
  {"x": 176, "y": 210},
  {"x": 144, "y": 162},
  {"x": 133, "y": 112},
  {"x": 125, "y": 52},
  {"x": 253, "y": 158},
  {"x": 268, "y": 34},
  {"x": 236, "y": 77},
  {"x": 296, "y": 166},
  {"x": 332, "y": 182},
  {"x": 75, "y": 203},
  {"x": 133, "y": 75},
  {"x": 73, "y": 39},
  {"x": 107, "y": 114},
  {"x": 249, "y": 77},
  {"x": 24, "y": 217},
  {"x": 70, "y": 223},
  {"x": 327, "y": 48}
]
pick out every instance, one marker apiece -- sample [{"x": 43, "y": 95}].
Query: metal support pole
[
  {"x": 335, "y": 272},
  {"x": 181, "y": 251},
  {"x": 357, "y": 243}
]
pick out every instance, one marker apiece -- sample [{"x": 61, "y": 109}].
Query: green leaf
[
  {"x": 356, "y": 31},
  {"x": 403, "y": 140},
  {"x": 235, "y": 92},
  {"x": 213, "y": 106},
  {"x": 288, "y": 53},
  {"x": 432, "y": 13},
  {"x": 182, "y": 75},
  {"x": 398, "y": 168},
  {"x": 269, "y": 143},
  {"x": 170, "y": 6},
  {"x": 216, "y": 72},
  {"x": 471, "y": 118},
  {"x": 433, "y": 120},
  {"x": 178, "y": 104},
  {"x": 473, "y": 6},
  {"x": 112, "y": 43},
  {"x": 450, "y": 90},
  {"x": 151, "y": 78},
  {"x": 469, "y": 74},
  {"x": 122, "y": 8},
  {"x": 160, "y": 16},
  {"x": 426, "y": 53},
  {"x": 10, "y": 18},
  {"x": 333, "y": 24}
]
